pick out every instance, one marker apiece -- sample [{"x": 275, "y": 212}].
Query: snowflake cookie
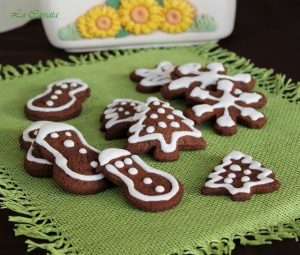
[
  {"x": 165, "y": 131},
  {"x": 226, "y": 107},
  {"x": 145, "y": 187},
  {"x": 151, "y": 80},
  {"x": 118, "y": 117},
  {"x": 239, "y": 176},
  {"x": 194, "y": 75}
]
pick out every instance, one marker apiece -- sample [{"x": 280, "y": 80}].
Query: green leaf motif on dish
[
  {"x": 69, "y": 32},
  {"x": 203, "y": 23},
  {"x": 113, "y": 3}
]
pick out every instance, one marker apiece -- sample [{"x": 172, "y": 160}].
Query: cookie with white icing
[
  {"x": 145, "y": 187},
  {"x": 151, "y": 80},
  {"x": 163, "y": 131},
  {"x": 34, "y": 163},
  {"x": 239, "y": 177},
  {"x": 194, "y": 75},
  {"x": 62, "y": 100},
  {"x": 74, "y": 160},
  {"x": 226, "y": 108},
  {"x": 118, "y": 117}
]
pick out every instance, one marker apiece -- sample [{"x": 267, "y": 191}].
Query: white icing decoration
[
  {"x": 35, "y": 132},
  {"x": 228, "y": 180},
  {"x": 54, "y": 135},
  {"x": 132, "y": 104},
  {"x": 147, "y": 180},
  {"x": 60, "y": 160},
  {"x": 94, "y": 164},
  {"x": 156, "y": 103},
  {"x": 215, "y": 177},
  {"x": 206, "y": 78},
  {"x": 150, "y": 130},
  {"x": 112, "y": 114},
  {"x": 245, "y": 179},
  {"x": 231, "y": 175},
  {"x": 162, "y": 124},
  {"x": 156, "y": 77},
  {"x": 82, "y": 151},
  {"x": 159, "y": 189},
  {"x": 30, "y": 157},
  {"x": 154, "y": 116},
  {"x": 190, "y": 68},
  {"x": 235, "y": 168},
  {"x": 129, "y": 182},
  {"x": 175, "y": 124},
  {"x": 50, "y": 103},
  {"x": 247, "y": 172},
  {"x": 119, "y": 164},
  {"x": 128, "y": 161},
  {"x": 68, "y": 134},
  {"x": 69, "y": 143},
  {"x": 170, "y": 117},
  {"x": 161, "y": 110},
  {"x": 73, "y": 84},
  {"x": 127, "y": 113},
  {"x": 82, "y": 86},
  {"x": 121, "y": 109},
  {"x": 165, "y": 147},
  {"x": 132, "y": 171},
  {"x": 54, "y": 97},
  {"x": 226, "y": 101},
  {"x": 64, "y": 86}
]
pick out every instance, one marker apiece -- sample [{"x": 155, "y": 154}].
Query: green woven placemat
[{"x": 105, "y": 223}]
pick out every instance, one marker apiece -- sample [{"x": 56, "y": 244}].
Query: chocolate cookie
[
  {"x": 226, "y": 107},
  {"x": 61, "y": 101},
  {"x": 164, "y": 131},
  {"x": 145, "y": 187},
  {"x": 239, "y": 177}
]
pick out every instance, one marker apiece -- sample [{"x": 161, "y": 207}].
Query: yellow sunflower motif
[
  {"x": 140, "y": 16},
  {"x": 99, "y": 21},
  {"x": 178, "y": 16}
]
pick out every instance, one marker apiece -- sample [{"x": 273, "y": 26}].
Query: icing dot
[
  {"x": 127, "y": 113},
  {"x": 245, "y": 179},
  {"x": 123, "y": 103},
  {"x": 170, "y": 117},
  {"x": 58, "y": 92},
  {"x": 68, "y": 134},
  {"x": 228, "y": 180},
  {"x": 147, "y": 180},
  {"x": 235, "y": 168},
  {"x": 69, "y": 143},
  {"x": 121, "y": 109},
  {"x": 50, "y": 103},
  {"x": 150, "y": 129},
  {"x": 161, "y": 110},
  {"x": 132, "y": 171},
  {"x": 128, "y": 161},
  {"x": 64, "y": 86},
  {"x": 162, "y": 124},
  {"x": 54, "y": 135},
  {"x": 119, "y": 164},
  {"x": 35, "y": 132},
  {"x": 159, "y": 189},
  {"x": 175, "y": 124},
  {"x": 132, "y": 104},
  {"x": 166, "y": 105},
  {"x": 231, "y": 175},
  {"x": 73, "y": 84},
  {"x": 247, "y": 172},
  {"x": 54, "y": 97},
  {"x": 153, "y": 116},
  {"x": 156, "y": 103},
  {"x": 94, "y": 164},
  {"x": 82, "y": 151}
]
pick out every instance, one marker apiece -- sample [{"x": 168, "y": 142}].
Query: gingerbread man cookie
[
  {"x": 145, "y": 187},
  {"x": 34, "y": 163},
  {"x": 164, "y": 131},
  {"x": 118, "y": 117},
  {"x": 226, "y": 107},
  {"x": 194, "y": 75},
  {"x": 74, "y": 160},
  {"x": 239, "y": 176},
  {"x": 151, "y": 80},
  {"x": 61, "y": 101}
]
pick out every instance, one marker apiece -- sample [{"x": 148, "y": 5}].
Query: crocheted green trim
[{"x": 35, "y": 224}]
